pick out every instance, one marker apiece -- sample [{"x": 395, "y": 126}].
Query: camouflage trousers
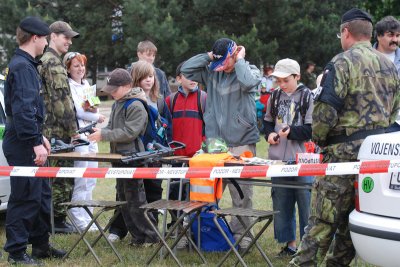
[
  {"x": 332, "y": 201},
  {"x": 61, "y": 190}
]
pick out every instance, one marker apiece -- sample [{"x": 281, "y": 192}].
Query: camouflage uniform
[
  {"x": 368, "y": 86},
  {"x": 60, "y": 120}
]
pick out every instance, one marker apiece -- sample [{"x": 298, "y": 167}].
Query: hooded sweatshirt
[
  {"x": 288, "y": 113},
  {"x": 126, "y": 124}
]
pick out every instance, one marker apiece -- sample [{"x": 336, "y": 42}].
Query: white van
[{"x": 4, "y": 181}]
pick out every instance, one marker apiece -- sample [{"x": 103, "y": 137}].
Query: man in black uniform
[{"x": 28, "y": 211}]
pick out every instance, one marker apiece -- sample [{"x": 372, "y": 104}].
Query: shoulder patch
[{"x": 326, "y": 91}]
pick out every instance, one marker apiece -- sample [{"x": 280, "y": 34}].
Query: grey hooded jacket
[{"x": 231, "y": 109}]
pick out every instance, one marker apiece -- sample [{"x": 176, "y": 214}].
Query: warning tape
[{"x": 347, "y": 168}]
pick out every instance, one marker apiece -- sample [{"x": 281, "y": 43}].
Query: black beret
[
  {"x": 354, "y": 14},
  {"x": 35, "y": 26}
]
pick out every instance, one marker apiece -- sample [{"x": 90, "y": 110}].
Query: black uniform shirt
[{"x": 23, "y": 103}]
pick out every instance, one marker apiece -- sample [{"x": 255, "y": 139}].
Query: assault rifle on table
[
  {"x": 87, "y": 129},
  {"x": 154, "y": 155},
  {"x": 58, "y": 146}
]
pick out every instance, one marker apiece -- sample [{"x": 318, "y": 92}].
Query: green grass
[{"x": 105, "y": 190}]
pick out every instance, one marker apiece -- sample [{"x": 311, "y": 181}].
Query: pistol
[{"x": 87, "y": 129}]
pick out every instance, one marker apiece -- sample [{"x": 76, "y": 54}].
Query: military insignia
[
  {"x": 6, "y": 73},
  {"x": 318, "y": 91}
]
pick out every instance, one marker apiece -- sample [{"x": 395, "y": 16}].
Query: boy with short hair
[
  {"x": 147, "y": 51},
  {"x": 187, "y": 107},
  {"x": 287, "y": 125},
  {"x": 126, "y": 125}
]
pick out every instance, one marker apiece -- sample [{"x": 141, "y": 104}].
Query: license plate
[{"x": 395, "y": 181}]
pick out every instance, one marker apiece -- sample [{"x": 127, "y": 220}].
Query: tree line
[{"x": 304, "y": 30}]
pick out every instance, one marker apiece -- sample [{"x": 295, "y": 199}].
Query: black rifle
[
  {"x": 58, "y": 146},
  {"x": 87, "y": 129},
  {"x": 155, "y": 155}
]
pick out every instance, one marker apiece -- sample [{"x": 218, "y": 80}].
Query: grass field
[{"x": 137, "y": 256}]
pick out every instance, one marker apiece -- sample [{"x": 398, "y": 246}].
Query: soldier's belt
[{"x": 343, "y": 138}]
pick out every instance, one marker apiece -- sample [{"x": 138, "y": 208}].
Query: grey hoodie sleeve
[
  {"x": 248, "y": 75},
  {"x": 195, "y": 68},
  {"x": 134, "y": 124}
]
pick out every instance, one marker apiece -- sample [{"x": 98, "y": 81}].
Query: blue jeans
[{"x": 284, "y": 201}]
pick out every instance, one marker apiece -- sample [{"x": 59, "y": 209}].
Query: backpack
[
  {"x": 173, "y": 98},
  {"x": 155, "y": 122},
  {"x": 305, "y": 98}
]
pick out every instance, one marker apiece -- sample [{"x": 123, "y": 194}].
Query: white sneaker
[
  {"x": 182, "y": 243},
  {"x": 113, "y": 238}
]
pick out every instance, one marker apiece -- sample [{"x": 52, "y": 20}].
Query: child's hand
[
  {"x": 284, "y": 131},
  {"x": 96, "y": 136},
  {"x": 273, "y": 138}
]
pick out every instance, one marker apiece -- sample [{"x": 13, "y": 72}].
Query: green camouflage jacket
[
  {"x": 60, "y": 118},
  {"x": 368, "y": 85}
]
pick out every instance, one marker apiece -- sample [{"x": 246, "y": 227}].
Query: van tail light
[{"x": 356, "y": 196}]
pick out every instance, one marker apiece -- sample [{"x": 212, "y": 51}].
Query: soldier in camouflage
[
  {"x": 360, "y": 96},
  {"x": 60, "y": 120}
]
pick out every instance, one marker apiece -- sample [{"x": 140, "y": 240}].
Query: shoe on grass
[
  {"x": 286, "y": 252},
  {"x": 182, "y": 243},
  {"x": 113, "y": 238},
  {"x": 23, "y": 258}
]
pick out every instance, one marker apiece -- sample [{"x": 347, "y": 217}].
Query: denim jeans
[{"x": 284, "y": 200}]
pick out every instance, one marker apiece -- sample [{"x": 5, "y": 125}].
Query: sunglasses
[{"x": 72, "y": 55}]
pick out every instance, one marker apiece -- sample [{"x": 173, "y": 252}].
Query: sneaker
[
  {"x": 244, "y": 243},
  {"x": 113, "y": 238},
  {"x": 182, "y": 243},
  {"x": 286, "y": 251},
  {"x": 23, "y": 259}
]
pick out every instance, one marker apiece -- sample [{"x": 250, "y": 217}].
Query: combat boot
[
  {"x": 63, "y": 227},
  {"x": 47, "y": 251},
  {"x": 22, "y": 258}
]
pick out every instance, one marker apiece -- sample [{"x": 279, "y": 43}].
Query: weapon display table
[{"x": 104, "y": 157}]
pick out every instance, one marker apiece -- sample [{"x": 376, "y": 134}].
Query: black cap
[
  {"x": 354, "y": 14},
  {"x": 34, "y": 25}
]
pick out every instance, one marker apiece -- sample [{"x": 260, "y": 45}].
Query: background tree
[{"x": 269, "y": 29}]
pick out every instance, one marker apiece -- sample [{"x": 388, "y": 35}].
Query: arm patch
[{"x": 326, "y": 92}]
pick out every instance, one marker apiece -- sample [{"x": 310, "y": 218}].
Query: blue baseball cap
[{"x": 221, "y": 49}]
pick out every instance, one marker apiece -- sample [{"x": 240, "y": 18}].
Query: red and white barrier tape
[{"x": 379, "y": 166}]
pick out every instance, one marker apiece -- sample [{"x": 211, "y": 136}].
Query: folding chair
[
  {"x": 257, "y": 216},
  {"x": 183, "y": 208},
  {"x": 104, "y": 206}
]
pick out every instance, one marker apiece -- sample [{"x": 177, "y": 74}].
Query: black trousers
[{"x": 28, "y": 210}]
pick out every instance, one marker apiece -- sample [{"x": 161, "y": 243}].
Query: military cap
[
  {"x": 354, "y": 14},
  {"x": 34, "y": 25},
  {"x": 64, "y": 28}
]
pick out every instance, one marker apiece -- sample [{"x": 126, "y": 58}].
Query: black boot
[
  {"x": 47, "y": 251},
  {"x": 62, "y": 227},
  {"x": 22, "y": 258}
]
